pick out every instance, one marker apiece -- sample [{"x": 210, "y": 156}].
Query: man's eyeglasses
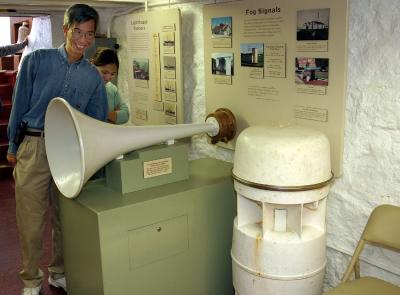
[{"x": 77, "y": 34}]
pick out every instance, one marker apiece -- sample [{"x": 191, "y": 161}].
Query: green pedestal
[{"x": 171, "y": 239}]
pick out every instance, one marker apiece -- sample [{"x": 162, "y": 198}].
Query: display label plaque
[
  {"x": 157, "y": 167},
  {"x": 311, "y": 113}
]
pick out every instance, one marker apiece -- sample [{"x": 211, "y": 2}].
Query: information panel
[
  {"x": 279, "y": 62},
  {"x": 154, "y": 52}
]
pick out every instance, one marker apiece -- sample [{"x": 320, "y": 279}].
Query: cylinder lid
[{"x": 282, "y": 156}]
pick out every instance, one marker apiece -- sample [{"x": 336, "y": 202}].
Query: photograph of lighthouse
[{"x": 252, "y": 55}]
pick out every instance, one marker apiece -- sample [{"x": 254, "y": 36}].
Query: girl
[{"x": 106, "y": 62}]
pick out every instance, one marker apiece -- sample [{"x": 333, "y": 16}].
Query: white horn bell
[{"x": 78, "y": 145}]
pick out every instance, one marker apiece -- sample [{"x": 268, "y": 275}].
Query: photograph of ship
[
  {"x": 312, "y": 71},
  {"x": 141, "y": 68},
  {"x": 221, "y": 27},
  {"x": 313, "y": 24},
  {"x": 169, "y": 39},
  {"x": 169, "y": 63},
  {"x": 222, "y": 64},
  {"x": 252, "y": 55},
  {"x": 170, "y": 109},
  {"x": 169, "y": 85}
]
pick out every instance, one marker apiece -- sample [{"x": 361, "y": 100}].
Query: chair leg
[
  {"x": 357, "y": 269},
  {"x": 353, "y": 261}
]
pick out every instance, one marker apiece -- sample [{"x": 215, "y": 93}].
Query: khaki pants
[{"x": 35, "y": 191}]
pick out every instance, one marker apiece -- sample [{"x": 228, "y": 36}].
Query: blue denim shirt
[{"x": 45, "y": 74}]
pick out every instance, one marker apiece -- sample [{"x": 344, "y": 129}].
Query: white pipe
[{"x": 78, "y": 145}]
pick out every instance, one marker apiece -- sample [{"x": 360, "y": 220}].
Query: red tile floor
[{"x": 10, "y": 260}]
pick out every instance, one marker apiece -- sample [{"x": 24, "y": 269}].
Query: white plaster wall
[
  {"x": 372, "y": 133},
  {"x": 57, "y": 20},
  {"x": 193, "y": 64},
  {"x": 5, "y": 36}
]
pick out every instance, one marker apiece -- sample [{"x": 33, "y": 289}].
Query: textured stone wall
[
  {"x": 371, "y": 153},
  {"x": 372, "y": 134}
]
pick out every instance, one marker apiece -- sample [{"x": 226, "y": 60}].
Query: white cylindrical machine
[{"x": 281, "y": 177}]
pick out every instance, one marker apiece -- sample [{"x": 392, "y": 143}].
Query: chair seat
[{"x": 365, "y": 286}]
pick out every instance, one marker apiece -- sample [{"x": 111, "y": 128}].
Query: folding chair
[{"x": 382, "y": 230}]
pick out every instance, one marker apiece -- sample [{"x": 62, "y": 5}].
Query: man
[
  {"x": 11, "y": 49},
  {"x": 45, "y": 74}
]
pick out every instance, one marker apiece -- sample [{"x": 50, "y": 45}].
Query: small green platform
[{"x": 128, "y": 174}]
